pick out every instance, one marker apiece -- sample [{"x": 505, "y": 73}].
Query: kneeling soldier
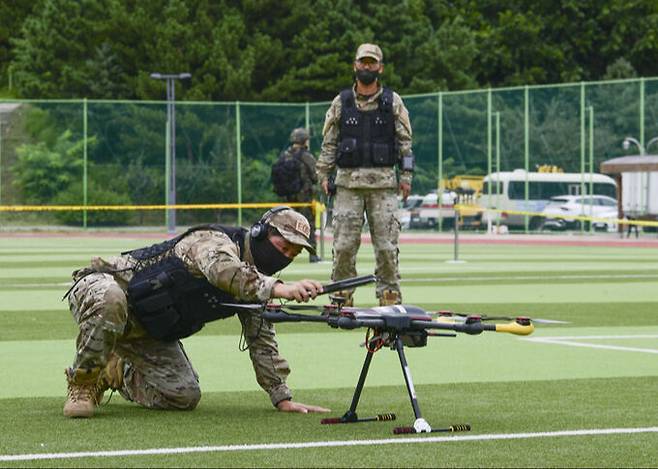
[{"x": 133, "y": 309}]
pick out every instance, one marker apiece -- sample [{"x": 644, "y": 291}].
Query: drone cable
[{"x": 378, "y": 341}]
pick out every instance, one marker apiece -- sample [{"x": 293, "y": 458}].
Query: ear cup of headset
[{"x": 258, "y": 230}]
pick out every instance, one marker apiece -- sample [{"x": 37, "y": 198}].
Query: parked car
[
  {"x": 597, "y": 206},
  {"x": 406, "y": 206},
  {"x": 426, "y": 215}
]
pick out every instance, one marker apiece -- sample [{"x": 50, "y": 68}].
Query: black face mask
[
  {"x": 366, "y": 76},
  {"x": 268, "y": 259}
]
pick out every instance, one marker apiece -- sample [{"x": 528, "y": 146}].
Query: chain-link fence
[{"x": 89, "y": 152}]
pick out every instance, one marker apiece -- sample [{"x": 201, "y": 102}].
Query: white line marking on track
[
  {"x": 573, "y": 341},
  {"x": 528, "y": 277},
  {"x": 324, "y": 444}
]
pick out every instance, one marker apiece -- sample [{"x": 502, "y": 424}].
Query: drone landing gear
[{"x": 420, "y": 424}]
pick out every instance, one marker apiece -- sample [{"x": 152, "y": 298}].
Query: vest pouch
[
  {"x": 157, "y": 315},
  {"x": 348, "y": 156},
  {"x": 153, "y": 300},
  {"x": 382, "y": 155}
]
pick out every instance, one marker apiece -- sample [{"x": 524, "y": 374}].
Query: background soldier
[
  {"x": 367, "y": 134},
  {"x": 294, "y": 178},
  {"x": 133, "y": 309}
]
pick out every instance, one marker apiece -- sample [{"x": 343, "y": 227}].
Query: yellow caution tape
[
  {"x": 63, "y": 208},
  {"x": 566, "y": 217}
]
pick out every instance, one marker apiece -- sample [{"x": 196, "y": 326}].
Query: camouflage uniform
[
  {"x": 372, "y": 190},
  {"x": 158, "y": 374},
  {"x": 309, "y": 180}
]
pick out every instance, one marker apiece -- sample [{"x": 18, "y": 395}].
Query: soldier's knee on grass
[{"x": 186, "y": 399}]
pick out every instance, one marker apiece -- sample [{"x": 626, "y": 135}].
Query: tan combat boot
[
  {"x": 390, "y": 297},
  {"x": 342, "y": 298},
  {"x": 110, "y": 378},
  {"x": 82, "y": 392}
]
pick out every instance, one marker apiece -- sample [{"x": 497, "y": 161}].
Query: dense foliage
[{"x": 297, "y": 50}]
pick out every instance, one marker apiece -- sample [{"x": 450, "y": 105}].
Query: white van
[{"x": 506, "y": 190}]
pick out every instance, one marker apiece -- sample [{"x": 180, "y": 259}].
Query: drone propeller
[
  {"x": 293, "y": 307},
  {"x": 483, "y": 317}
]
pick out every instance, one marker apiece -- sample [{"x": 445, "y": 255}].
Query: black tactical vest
[
  {"x": 367, "y": 138},
  {"x": 168, "y": 301}
]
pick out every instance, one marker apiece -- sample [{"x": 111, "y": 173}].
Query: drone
[{"x": 395, "y": 327}]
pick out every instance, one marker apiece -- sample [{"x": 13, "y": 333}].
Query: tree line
[{"x": 301, "y": 50}]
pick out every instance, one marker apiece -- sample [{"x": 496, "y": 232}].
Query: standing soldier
[
  {"x": 133, "y": 309},
  {"x": 366, "y": 135},
  {"x": 294, "y": 178}
]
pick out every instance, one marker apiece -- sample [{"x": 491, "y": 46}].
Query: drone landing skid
[{"x": 420, "y": 424}]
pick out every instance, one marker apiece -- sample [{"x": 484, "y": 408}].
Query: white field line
[
  {"x": 573, "y": 341},
  {"x": 542, "y": 278},
  {"x": 425, "y": 279},
  {"x": 324, "y": 444}
]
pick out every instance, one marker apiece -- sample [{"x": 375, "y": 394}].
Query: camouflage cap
[
  {"x": 299, "y": 135},
  {"x": 369, "y": 50},
  {"x": 293, "y": 226}
]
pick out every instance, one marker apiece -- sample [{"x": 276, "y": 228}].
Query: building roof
[{"x": 630, "y": 164}]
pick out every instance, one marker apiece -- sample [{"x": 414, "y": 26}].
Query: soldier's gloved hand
[
  {"x": 291, "y": 406},
  {"x": 405, "y": 188},
  {"x": 301, "y": 291}
]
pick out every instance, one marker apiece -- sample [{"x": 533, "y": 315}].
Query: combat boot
[
  {"x": 342, "y": 298},
  {"x": 82, "y": 392},
  {"x": 390, "y": 297},
  {"x": 111, "y": 377}
]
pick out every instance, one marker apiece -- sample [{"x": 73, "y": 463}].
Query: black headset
[{"x": 259, "y": 229}]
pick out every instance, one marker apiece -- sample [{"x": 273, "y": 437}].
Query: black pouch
[
  {"x": 151, "y": 296},
  {"x": 382, "y": 155},
  {"x": 347, "y": 153}
]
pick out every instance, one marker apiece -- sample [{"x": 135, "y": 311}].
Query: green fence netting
[{"x": 91, "y": 152}]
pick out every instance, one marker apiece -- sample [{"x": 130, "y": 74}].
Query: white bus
[{"x": 505, "y": 190}]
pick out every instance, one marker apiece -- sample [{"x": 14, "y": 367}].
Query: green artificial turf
[{"x": 604, "y": 376}]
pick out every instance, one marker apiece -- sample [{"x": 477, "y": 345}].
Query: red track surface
[{"x": 648, "y": 240}]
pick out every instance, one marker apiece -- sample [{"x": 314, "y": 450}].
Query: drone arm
[
  {"x": 477, "y": 327},
  {"x": 471, "y": 328},
  {"x": 282, "y": 316}
]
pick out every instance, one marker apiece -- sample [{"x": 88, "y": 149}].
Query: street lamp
[
  {"x": 643, "y": 151},
  {"x": 171, "y": 126}
]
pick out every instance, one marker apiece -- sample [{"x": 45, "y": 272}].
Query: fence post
[
  {"x": 439, "y": 156},
  {"x": 84, "y": 163},
  {"x": 590, "y": 110},
  {"x": 167, "y": 170},
  {"x": 526, "y": 150},
  {"x": 238, "y": 144},
  {"x": 1, "y": 124},
  {"x": 642, "y": 91},
  {"x": 582, "y": 144},
  {"x": 498, "y": 185}
]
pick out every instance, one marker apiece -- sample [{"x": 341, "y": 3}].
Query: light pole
[
  {"x": 643, "y": 151},
  {"x": 171, "y": 157}
]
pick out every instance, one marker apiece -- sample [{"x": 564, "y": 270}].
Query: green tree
[{"x": 41, "y": 172}]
